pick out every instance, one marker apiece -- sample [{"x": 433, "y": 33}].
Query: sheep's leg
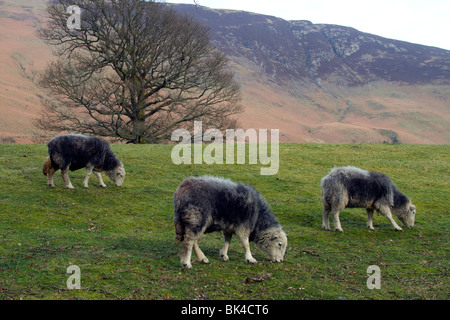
[
  {"x": 336, "y": 221},
  {"x": 224, "y": 251},
  {"x": 370, "y": 219},
  {"x": 243, "y": 236},
  {"x": 65, "y": 176},
  {"x": 248, "y": 255},
  {"x": 88, "y": 175},
  {"x": 100, "y": 180},
  {"x": 326, "y": 217},
  {"x": 50, "y": 182},
  {"x": 187, "y": 252},
  {"x": 385, "y": 211},
  {"x": 199, "y": 253}
]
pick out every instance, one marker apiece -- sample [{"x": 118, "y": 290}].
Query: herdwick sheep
[
  {"x": 74, "y": 151},
  {"x": 350, "y": 187},
  {"x": 207, "y": 204}
]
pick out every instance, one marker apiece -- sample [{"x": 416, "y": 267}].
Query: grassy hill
[{"x": 123, "y": 238}]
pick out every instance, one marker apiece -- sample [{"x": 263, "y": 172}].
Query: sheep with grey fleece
[
  {"x": 350, "y": 187},
  {"x": 75, "y": 151},
  {"x": 207, "y": 204}
]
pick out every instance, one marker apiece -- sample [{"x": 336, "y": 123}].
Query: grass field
[{"x": 123, "y": 238}]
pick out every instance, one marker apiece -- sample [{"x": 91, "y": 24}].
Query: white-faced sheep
[
  {"x": 207, "y": 204},
  {"x": 350, "y": 187},
  {"x": 74, "y": 151}
]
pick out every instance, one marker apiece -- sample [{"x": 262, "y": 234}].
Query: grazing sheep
[
  {"x": 207, "y": 204},
  {"x": 74, "y": 151},
  {"x": 350, "y": 187}
]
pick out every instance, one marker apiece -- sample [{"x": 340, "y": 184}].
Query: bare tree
[{"x": 134, "y": 70}]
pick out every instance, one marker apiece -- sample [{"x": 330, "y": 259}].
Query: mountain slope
[
  {"x": 302, "y": 50},
  {"x": 22, "y": 57},
  {"x": 322, "y": 83},
  {"x": 332, "y": 83}
]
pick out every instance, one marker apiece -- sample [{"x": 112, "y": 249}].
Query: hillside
[
  {"x": 332, "y": 83},
  {"x": 22, "y": 57},
  {"x": 316, "y": 83},
  {"x": 304, "y": 52}
]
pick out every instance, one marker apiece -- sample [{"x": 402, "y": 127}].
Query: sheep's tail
[
  {"x": 179, "y": 230},
  {"x": 47, "y": 166},
  {"x": 179, "y": 226}
]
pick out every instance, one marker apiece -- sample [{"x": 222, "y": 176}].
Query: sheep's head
[
  {"x": 407, "y": 214},
  {"x": 274, "y": 243},
  {"x": 117, "y": 175}
]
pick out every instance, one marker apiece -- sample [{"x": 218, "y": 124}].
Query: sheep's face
[
  {"x": 407, "y": 215},
  {"x": 274, "y": 244},
  {"x": 117, "y": 175}
]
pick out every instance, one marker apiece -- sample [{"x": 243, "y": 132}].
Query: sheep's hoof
[
  {"x": 186, "y": 265},
  {"x": 252, "y": 261},
  {"x": 205, "y": 260},
  {"x": 224, "y": 257}
]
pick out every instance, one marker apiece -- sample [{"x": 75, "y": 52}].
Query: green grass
[{"x": 123, "y": 238}]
